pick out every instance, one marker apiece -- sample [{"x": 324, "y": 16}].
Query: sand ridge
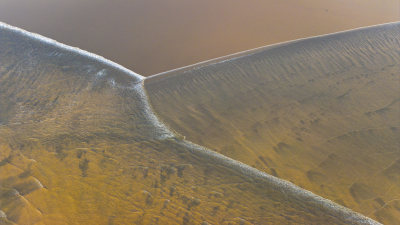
[
  {"x": 293, "y": 102},
  {"x": 336, "y": 211}
]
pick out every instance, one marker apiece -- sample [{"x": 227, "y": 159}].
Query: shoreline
[
  {"x": 248, "y": 52},
  {"x": 282, "y": 185}
]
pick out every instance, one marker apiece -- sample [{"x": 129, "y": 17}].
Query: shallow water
[
  {"x": 151, "y": 36},
  {"x": 71, "y": 114},
  {"x": 321, "y": 112}
]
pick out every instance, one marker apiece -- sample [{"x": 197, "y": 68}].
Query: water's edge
[
  {"x": 237, "y": 55},
  {"x": 280, "y": 184}
]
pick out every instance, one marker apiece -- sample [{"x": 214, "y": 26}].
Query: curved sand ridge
[
  {"x": 253, "y": 51},
  {"x": 282, "y": 185},
  {"x": 164, "y": 133},
  {"x": 228, "y": 104},
  {"x": 68, "y": 48},
  {"x": 137, "y": 85}
]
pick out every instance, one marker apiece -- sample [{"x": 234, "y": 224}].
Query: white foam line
[
  {"x": 70, "y": 49},
  {"x": 257, "y": 50},
  {"x": 38, "y": 182},
  {"x": 282, "y": 185},
  {"x": 138, "y": 86},
  {"x": 149, "y": 112},
  {"x": 162, "y": 132}
]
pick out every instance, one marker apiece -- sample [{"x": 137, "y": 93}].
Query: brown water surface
[
  {"x": 322, "y": 113},
  {"x": 151, "y": 36}
]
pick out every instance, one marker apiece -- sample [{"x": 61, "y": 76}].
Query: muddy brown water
[{"x": 152, "y": 36}]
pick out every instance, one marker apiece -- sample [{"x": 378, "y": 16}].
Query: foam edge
[
  {"x": 51, "y": 42},
  {"x": 282, "y": 185}
]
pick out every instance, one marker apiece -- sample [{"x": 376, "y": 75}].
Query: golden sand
[
  {"x": 322, "y": 113},
  {"x": 78, "y": 145}
]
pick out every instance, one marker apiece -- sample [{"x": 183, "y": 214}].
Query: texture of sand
[
  {"x": 322, "y": 113},
  {"x": 79, "y": 144}
]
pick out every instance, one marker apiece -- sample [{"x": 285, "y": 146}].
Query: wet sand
[
  {"x": 80, "y": 145},
  {"x": 320, "y": 112},
  {"x": 158, "y": 35}
]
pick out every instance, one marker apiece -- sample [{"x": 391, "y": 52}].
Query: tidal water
[{"x": 152, "y": 36}]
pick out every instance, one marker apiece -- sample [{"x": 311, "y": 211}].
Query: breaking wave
[
  {"x": 45, "y": 40},
  {"x": 161, "y": 131}
]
